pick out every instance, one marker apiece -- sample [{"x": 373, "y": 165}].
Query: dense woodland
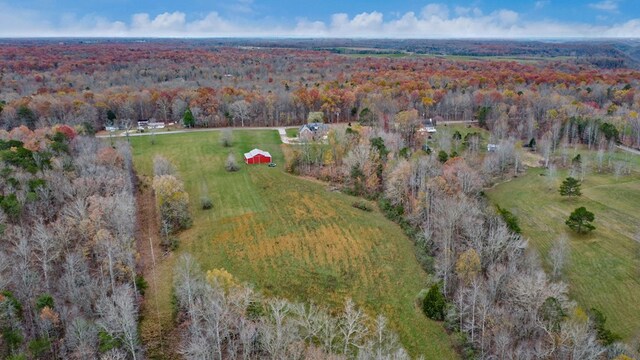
[
  {"x": 68, "y": 263},
  {"x": 67, "y": 256},
  {"x": 120, "y": 83}
]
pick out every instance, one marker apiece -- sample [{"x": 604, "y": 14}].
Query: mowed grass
[
  {"x": 292, "y": 132},
  {"x": 604, "y": 266},
  {"x": 291, "y": 237}
]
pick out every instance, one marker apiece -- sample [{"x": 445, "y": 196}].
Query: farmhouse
[
  {"x": 257, "y": 156},
  {"x": 313, "y": 131}
]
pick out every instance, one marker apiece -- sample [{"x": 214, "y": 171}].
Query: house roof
[
  {"x": 314, "y": 127},
  {"x": 255, "y": 152}
]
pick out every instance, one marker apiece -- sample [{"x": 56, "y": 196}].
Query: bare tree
[
  {"x": 231, "y": 164},
  {"x": 82, "y": 339},
  {"x": 118, "y": 317},
  {"x": 241, "y": 109},
  {"x": 226, "y": 138},
  {"x": 558, "y": 256},
  {"x": 46, "y": 251},
  {"x": 162, "y": 166},
  {"x": 352, "y": 327}
]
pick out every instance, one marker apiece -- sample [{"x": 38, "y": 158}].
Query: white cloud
[
  {"x": 433, "y": 21},
  {"x": 435, "y": 11},
  {"x": 240, "y": 6},
  {"x": 541, "y": 4},
  {"x": 606, "y": 5}
]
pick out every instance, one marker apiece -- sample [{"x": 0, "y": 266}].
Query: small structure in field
[
  {"x": 313, "y": 131},
  {"x": 257, "y": 156},
  {"x": 493, "y": 147}
]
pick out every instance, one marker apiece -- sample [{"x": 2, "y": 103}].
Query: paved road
[{"x": 123, "y": 134}]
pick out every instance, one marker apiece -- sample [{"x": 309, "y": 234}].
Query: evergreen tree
[
  {"x": 188, "y": 119},
  {"x": 570, "y": 187},
  {"x": 434, "y": 303},
  {"x": 580, "y": 220},
  {"x": 443, "y": 156}
]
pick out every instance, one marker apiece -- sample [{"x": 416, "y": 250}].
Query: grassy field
[
  {"x": 290, "y": 237},
  {"x": 447, "y": 130},
  {"x": 604, "y": 266}
]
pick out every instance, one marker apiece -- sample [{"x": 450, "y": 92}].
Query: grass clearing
[
  {"x": 604, "y": 266},
  {"x": 290, "y": 237},
  {"x": 292, "y": 132}
]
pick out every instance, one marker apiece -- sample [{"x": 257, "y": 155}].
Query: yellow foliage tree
[
  {"x": 223, "y": 278},
  {"x": 468, "y": 266},
  {"x": 172, "y": 202}
]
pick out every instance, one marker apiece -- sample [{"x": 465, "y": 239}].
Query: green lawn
[
  {"x": 604, "y": 267},
  {"x": 292, "y": 132},
  {"x": 291, "y": 237}
]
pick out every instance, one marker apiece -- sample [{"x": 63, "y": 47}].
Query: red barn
[{"x": 257, "y": 156}]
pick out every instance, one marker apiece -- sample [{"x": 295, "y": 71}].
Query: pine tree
[
  {"x": 580, "y": 220},
  {"x": 570, "y": 187},
  {"x": 434, "y": 303},
  {"x": 188, "y": 119}
]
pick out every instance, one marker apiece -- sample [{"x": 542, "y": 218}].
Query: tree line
[
  {"x": 120, "y": 84},
  {"x": 69, "y": 286}
]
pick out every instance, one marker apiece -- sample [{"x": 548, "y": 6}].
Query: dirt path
[
  {"x": 629, "y": 150},
  {"x": 157, "y": 334},
  {"x": 285, "y": 138}
]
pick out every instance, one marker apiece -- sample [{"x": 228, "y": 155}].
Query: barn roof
[{"x": 255, "y": 152}]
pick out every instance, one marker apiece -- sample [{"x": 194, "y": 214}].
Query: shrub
[
  {"x": 141, "y": 284},
  {"x": 11, "y": 206},
  {"x": 44, "y": 300},
  {"x": 169, "y": 242},
  {"x": 107, "y": 342},
  {"x": 12, "y": 338},
  {"x": 434, "y": 303},
  {"x": 231, "y": 164},
  {"x": 510, "y": 219},
  {"x": 162, "y": 166},
  {"x": 443, "y": 156},
  {"x": 39, "y": 347},
  {"x": 606, "y": 336},
  {"x": 361, "y": 205},
  {"x": 206, "y": 203},
  {"x": 227, "y": 138}
]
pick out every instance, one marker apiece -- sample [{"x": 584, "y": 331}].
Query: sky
[{"x": 321, "y": 18}]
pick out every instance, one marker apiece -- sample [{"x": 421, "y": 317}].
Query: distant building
[
  {"x": 313, "y": 131},
  {"x": 156, "y": 125},
  {"x": 492, "y": 147},
  {"x": 143, "y": 124},
  {"x": 427, "y": 126}
]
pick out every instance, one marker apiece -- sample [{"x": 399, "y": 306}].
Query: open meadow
[
  {"x": 289, "y": 237},
  {"x": 603, "y": 269}
]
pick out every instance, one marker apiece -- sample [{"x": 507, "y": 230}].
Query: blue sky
[{"x": 329, "y": 18}]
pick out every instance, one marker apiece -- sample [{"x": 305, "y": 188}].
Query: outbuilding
[{"x": 257, "y": 156}]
